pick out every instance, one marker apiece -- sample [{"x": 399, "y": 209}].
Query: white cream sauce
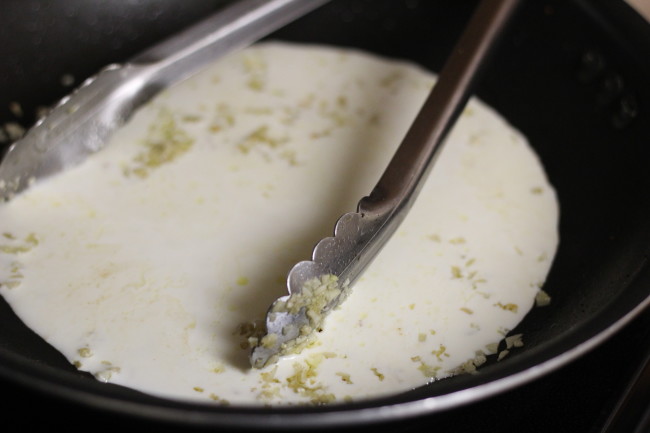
[{"x": 141, "y": 270}]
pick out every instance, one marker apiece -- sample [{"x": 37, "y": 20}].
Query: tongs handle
[
  {"x": 234, "y": 27},
  {"x": 359, "y": 236},
  {"x": 403, "y": 178}
]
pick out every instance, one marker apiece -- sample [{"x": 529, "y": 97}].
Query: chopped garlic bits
[
  {"x": 307, "y": 307},
  {"x": 152, "y": 264}
]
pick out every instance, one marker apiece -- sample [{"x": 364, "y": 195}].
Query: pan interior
[{"x": 567, "y": 77}]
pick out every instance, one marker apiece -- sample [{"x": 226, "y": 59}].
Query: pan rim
[{"x": 560, "y": 353}]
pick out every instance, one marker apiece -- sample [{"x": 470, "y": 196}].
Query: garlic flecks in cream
[{"x": 149, "y": 264}]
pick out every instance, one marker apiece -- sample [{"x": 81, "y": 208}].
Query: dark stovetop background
[{"x": 577, "y": 398}]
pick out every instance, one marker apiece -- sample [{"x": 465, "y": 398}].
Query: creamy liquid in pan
[{"x": 148, "y": 264}]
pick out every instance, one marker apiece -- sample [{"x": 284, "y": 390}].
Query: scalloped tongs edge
[{"x": 317, "y": 286}]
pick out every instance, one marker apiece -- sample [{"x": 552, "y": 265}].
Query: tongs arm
[
  {"x": 81, "y": 123},
  {"x": 359, "y": 236},
  {"x": 402, "y": 179}
]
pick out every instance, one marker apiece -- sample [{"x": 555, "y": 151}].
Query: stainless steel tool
[
  {"x": 321, "y": 284},
  {"x": 81, "y": 123}
]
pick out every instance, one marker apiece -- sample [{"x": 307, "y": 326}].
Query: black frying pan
[{"x": 574, "y": 76}]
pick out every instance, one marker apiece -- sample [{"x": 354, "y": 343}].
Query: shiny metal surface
[
  {"x": 82, "y": 122},
  {"x": 359, "y": 236}
]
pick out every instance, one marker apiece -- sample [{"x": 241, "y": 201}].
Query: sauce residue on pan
[{"x": 152, "y": 264}]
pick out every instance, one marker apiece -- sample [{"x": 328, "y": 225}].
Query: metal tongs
[
  {"x": 321, "y": 284},
  {"x": 81, "y": 123}
]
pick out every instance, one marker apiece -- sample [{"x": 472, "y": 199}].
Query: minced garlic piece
[
  {"x": 251, "y": 332},
  {"x": 442, "y": 351},
  {"x": 377, "y": 373},
  {"x": 219, "y": 400},
  {"x": 165, "y": 142},
  {"x": 106, "y": 374},
  {"x": 85, "y": 352},
  {"x": 304, "y": 382},
  {"x": 430, "y": 371},
  {"x": 269, "y": 340},
  {"x": 471, "y": 365},
  {"x": 542, "y": 299},
  {"x": 514, "y": 341},
  {"x": 507, "y": 307},
  {"x": 316, "y": 297},
  {"x": 345, "y": 377},
  {"x": 14, "y": 247}
]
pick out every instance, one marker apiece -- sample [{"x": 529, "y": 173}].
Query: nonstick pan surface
[{"x": 573, "y": 76}]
